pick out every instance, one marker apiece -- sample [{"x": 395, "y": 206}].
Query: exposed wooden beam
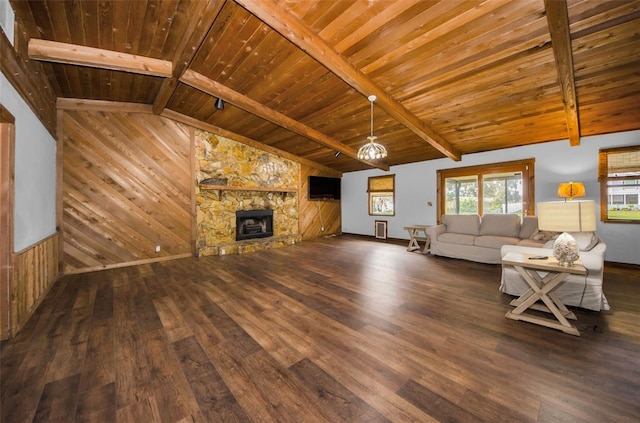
[
  {"x": 178, "y": 117},
  {"x": 101, "y": 106},
  {"x": 72, "y": 54},
  {"x": 558, "y": 20},
  {"x": 302, "y": 36},
  {"x": 188, "y": 48},
  {"x": 206, "y": 85}
]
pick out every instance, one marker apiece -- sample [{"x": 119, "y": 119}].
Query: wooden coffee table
[{"x": 541, "y": 288}]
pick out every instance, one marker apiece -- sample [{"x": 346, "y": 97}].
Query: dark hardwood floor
[{"x": 342, "y": 329}]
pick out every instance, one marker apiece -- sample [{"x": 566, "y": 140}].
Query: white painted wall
[
  {"x": 35, "y": 172},
  {"x": 555, "y": 162},
  {"x": 7, "y": 19}
]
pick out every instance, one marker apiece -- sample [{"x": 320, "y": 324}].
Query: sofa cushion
[
  {"x": 493, "y": 241},
  {"x": 462, "y": 223},
  {"x": 528, "y": 227},
  {"x": 455, "y": 238},
  {"x": 585, "y": 240},
  {"x": 544, "y": 236},
  {"x": 500, "y": 224}
]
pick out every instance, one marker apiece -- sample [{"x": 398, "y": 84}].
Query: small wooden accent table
[
  {"x": 542, "y": 289},
  {"x": 414, "y": 233}
]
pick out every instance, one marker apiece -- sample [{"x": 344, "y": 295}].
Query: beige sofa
[
  {"x": 491, "y": 237},
  {"x": 471, "y": 237},
  {"x": 576, "y": 290}
]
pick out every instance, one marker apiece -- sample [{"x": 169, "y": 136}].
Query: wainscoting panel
[
  {"x": 316, "y": 215},
  {"x": 34, "y": 272},
  {"x": 127, "y": 189}
]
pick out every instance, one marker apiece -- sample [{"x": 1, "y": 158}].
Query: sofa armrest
[
  {"x": 434, "y": 231},
  {"x": 594, "y": 258},
  {"x": 600, "y": 248}
]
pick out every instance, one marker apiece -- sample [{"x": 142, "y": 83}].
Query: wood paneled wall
[
  {"x": 316, "y": 215},
  {"x": 28, "y": 78},
  {"x": 127, "y": 183},
  {"x": 34, "y": 271}
]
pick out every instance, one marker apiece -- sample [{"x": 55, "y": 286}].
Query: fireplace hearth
[{"x": 254, "y": 224}]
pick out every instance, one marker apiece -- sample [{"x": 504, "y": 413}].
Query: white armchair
[{"x": 579, "y": 291}]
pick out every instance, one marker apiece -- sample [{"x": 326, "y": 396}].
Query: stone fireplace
[
  {"x": 251, "y": 224},
  {"x": 233, "y": 179}
]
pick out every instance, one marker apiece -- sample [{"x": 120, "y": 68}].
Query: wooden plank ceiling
[{"x": 452, "y": 77}]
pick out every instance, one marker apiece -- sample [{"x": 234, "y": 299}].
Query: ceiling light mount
[
  {"x": 219, "y": 103},
  {"x": 372, "y": 150}
]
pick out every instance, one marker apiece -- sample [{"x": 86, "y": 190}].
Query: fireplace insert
[{"x": 254, "y": 224}]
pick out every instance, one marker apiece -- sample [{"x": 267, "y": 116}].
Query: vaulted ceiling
[{"x": 452, "y": 77}]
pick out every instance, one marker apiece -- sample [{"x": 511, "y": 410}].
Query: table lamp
[
  {"x": 567, "y": 216},
  {"x": 571, "y": 190}
]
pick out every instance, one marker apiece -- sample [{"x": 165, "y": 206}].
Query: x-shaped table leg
[{"x": 541, "y": 288}]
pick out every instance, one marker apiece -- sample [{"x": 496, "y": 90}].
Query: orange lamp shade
[{"x": 571, "y": 190}]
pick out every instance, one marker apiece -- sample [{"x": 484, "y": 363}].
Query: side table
[
  {"x": 414, "y": 234},
  {"x": 541, "y": 288}
]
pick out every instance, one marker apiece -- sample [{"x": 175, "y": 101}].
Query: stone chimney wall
[{"x": 242, "y": 167}]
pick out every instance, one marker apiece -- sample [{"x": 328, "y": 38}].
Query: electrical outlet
[{"x": 157, "y": 248}]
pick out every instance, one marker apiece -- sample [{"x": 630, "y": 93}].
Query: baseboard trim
[
  {"x": 622, "y": 265},
  {"x": 387, "y": 240},
  {"x": 126, "y": 264}
]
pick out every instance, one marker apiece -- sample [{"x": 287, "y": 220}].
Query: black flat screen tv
[{"x": 324, "y": 188}]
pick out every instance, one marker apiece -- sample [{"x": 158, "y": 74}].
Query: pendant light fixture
[{"x": 372, "y": 150}]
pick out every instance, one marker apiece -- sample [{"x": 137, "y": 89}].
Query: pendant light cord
[{"x": 372, "y": 118}]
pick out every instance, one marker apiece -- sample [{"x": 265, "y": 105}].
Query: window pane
[
  {"x": 617, "y": 199},
  {"x": 491, "y": 188},
  {"x": 462, "y": 195},
  {"x": 623, "y": 196},
  {"x": 382, "y": 204},
  {"x": 502, "y": 193},
  {"x": 623, "y": 206}
]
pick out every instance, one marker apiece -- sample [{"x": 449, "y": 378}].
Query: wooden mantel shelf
[{"x": 233, "y": 188}]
